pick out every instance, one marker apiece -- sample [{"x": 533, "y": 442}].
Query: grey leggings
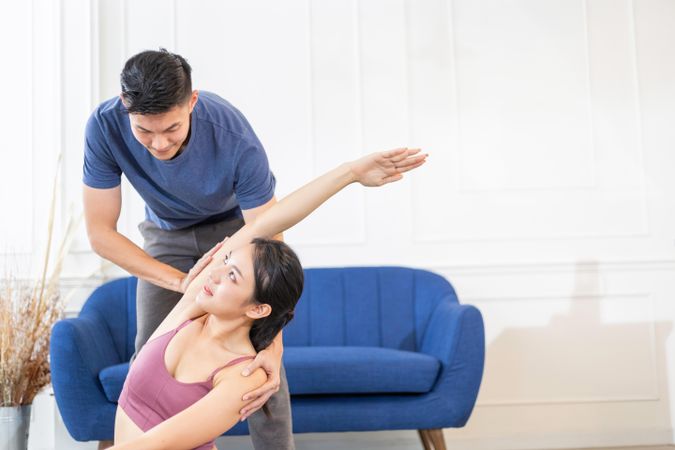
[{"x": 181, "y": 249}]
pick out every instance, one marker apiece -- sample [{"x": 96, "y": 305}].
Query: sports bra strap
[
  {"x": 231, "y": 363},
  {"x": 183, "y": 325}
]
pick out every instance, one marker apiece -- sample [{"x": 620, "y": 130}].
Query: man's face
[{"x": 163, "y": 134}]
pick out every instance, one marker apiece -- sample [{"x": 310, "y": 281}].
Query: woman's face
[{"x": 230, "y": 284}]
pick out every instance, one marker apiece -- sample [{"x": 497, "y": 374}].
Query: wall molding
[
  {"x": 505, "y": 267},
  {"x": 517, "y": 267}
]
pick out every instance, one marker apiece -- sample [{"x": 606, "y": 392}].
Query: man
[{"x": 203, "y": 173}]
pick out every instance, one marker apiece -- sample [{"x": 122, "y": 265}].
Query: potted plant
[{"x": 28, "y": 309}]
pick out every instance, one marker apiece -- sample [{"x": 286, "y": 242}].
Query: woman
[{"x": 185, "y": 387}]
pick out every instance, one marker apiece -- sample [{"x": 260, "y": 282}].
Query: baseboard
[
  {"x": 563, "y": 440},
  {"x": 407, "y": 440}
]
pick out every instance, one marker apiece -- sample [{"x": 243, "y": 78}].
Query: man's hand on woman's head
[
  {"x": 199, "y": 266},
  {"x": 270, "y": 362},
  {"x": 381, "y": 168}
]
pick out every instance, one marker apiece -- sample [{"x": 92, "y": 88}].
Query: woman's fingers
[
  {"x": 411, "y": 167},
  {"x": 401, "y": 169},
  {"x": 206, "y": 259},
  {"x": 411, "y": 162},
  {"x": 201, "y": 264},
  {"x": 215, "y": 248},
  {"x": 394, "y": 152},
  {"x": 403, "y": 155}
]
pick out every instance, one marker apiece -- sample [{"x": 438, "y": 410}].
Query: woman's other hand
[{"x": 381, "y": 168}]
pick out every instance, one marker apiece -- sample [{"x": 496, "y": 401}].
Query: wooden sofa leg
[
  {"x": 432, "y": 439},
  {"x": 104, "y": 444},
  {"x": 437, "y": 439},
  {"x": 424, "y": 437}
]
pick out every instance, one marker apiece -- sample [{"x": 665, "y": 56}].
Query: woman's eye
[{"x": 232, "y": 277}]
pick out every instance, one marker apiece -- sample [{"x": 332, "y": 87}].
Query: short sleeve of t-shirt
[
  {"x": 100, "y": 169},
  {"x": 254, "y": 182}
]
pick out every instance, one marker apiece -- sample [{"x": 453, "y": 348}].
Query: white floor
[
  {"x": 661, "y": 447},
  {"x": 47, "y": 432},
  {"x": 369, "y": 441}
]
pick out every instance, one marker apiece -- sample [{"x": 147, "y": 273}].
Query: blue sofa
[{"x": 370, "y": 348}]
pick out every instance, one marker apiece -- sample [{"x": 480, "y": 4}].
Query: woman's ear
[{"x": 259, "y": 311}]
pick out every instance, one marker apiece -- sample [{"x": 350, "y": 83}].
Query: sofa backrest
[
  {"x": 366, "y": 306},
  {"x": 343, "y": 306},
  {"x": 114, "y": 304}
]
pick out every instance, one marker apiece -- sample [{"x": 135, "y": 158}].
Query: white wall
[{"x": 548, "y": 198}]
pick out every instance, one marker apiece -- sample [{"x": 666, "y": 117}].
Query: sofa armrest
[
  {"x": 456, "y": 336},
  {"x": 442, "y": 333},
  {"x": 79, "y": 349}
]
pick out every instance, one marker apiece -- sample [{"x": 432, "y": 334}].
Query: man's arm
[{"x": 101, "y": 212}]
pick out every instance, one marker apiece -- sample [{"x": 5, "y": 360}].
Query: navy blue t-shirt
[{"x": 222, "y": 170}]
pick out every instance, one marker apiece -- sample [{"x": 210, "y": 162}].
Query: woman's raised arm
[{"x": 376, "y": 169}]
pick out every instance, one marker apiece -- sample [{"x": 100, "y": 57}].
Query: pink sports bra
[{"x": 151, "y": 395}]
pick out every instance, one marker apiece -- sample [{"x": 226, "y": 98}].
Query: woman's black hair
[
  {"x": 278, "y": 282},
  {"x": 153, "y": 82}
]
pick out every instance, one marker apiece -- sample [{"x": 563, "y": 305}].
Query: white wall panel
[
  {"x": 569, "y": 349},
  {"x": 16, "y": 174},
  {"x": 523, "y": 94},
  {"x": 77, "y": 92},
  {"x": 31, "y": 132},
  {"x": 568, "y": 334},
  {"x": 386, "y": 117},
  {"x": 336, "y": 120},
  {"x": 139, "y": 35},
  {"x": 112, "y": 42},
  {"x": 592, "y": 118},
  {"x": 46, "y": 132}
]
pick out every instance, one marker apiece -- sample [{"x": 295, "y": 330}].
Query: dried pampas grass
[{"x": 28, "y": 310}]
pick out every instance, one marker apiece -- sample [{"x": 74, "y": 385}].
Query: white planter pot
[{"x": 14, "y": 423}]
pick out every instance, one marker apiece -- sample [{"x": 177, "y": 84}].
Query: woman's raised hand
[{"x": 381, "y": 168}]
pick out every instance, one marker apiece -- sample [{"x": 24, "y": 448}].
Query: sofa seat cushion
[
  {"x": 358, "y": 370},
  {"x": 112, "y": 379},
  {"x": 333, "y": 370}
]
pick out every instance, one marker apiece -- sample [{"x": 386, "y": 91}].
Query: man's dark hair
[{"x": 153, "y": 82}]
